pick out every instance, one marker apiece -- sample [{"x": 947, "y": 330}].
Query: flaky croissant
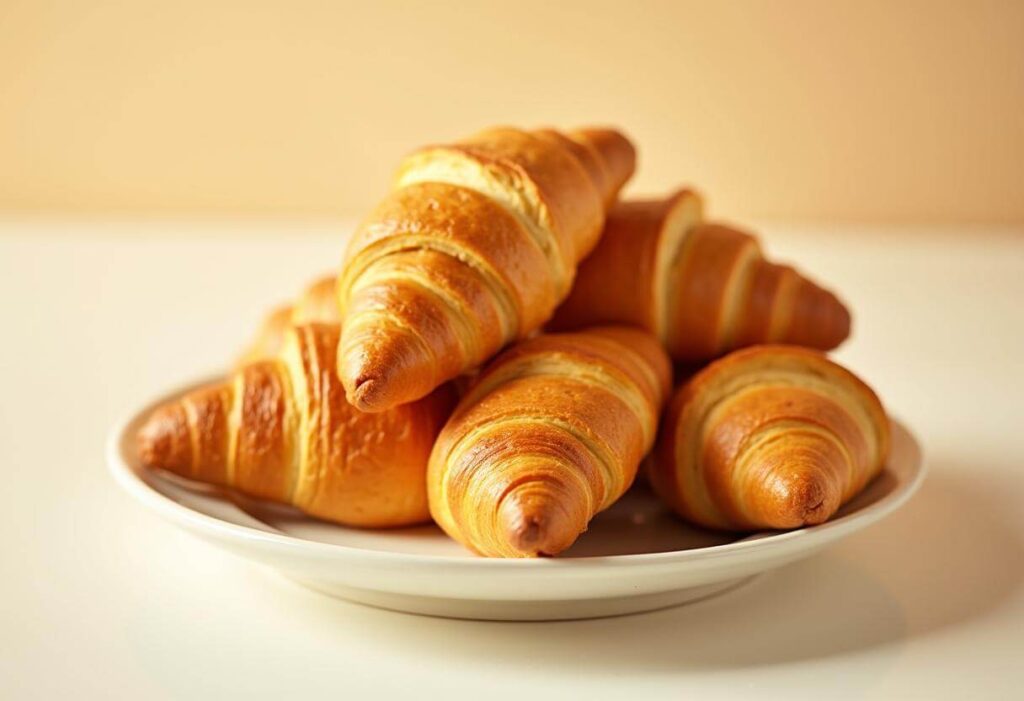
[
  {"x": 768, "y": 437},
  {"x": 318, "y": 303},
  {"x": 703, "y": 289},
  {"x": 280, "y": 429},
  {"x": 474, "y": 248},
  {"x": 550, "y": 434}
]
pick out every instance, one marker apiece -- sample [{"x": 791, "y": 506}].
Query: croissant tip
[
  {"x": 146, "y": 442},
  {"x": 834, "y": 320},
  {"x": 363, "y": 394},
  {"x": 809, "y": 503},
  {"x": 527, "y": 535},
  {"x": 845, "y": 322},
  {"x": 383, "y": 369},
  {"x": 157, "y": 443},
  {"x": 803, "y": 501},
  {"x": 373, "y": 395},
  {"x": 533, "y": 528},
  {"x": 824, "y": 322}
]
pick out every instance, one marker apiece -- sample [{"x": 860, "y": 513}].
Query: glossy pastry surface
[
  {"x": 702, "y": 288},
  {"x": 550, "y": 434},
  {"x": 281, "y": 429},
  {"x": 474, "y": 247},
  {"x": 769, "y": 437}
]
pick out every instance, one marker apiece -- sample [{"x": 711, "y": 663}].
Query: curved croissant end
[
  {"x": 769, "y": 437},
  {"x": 280, "y": 429},
  {"x": 710, "y": 288},
  {"x": 551, "y": 433},
  {"x": 474, "y": 248}
]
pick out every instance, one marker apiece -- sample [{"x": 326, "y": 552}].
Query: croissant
[
  {"x": 317, "y": 303},
  {"x": 280, "y": 429},
  {"x": 474, "y": 248},
  {"x": 704, "y": 289},
  {"x": 550, "y": 434},
  {"x": 768, "y": 437}
]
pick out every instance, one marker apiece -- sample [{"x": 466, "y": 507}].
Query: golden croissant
[
  {"x": 474, "y": 248},
  {"x": 703, "y": 289},
  {"x": 550, "y": 434},
  {"x": 769, "y": 437},
  {"x": 280, "y": 429}
]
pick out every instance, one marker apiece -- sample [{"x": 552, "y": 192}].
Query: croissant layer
[
  {"x": 550, "y": 434},
  {"x": 474, "y": 247},
  {"x": 280, "y": 429},
  {"x": 703, "y": 289},
  {"x": 769, "y": 437}
]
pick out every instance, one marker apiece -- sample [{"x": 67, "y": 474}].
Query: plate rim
[{"x": 177, "y": 513}]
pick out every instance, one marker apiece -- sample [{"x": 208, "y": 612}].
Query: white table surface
[{"x": 100, "y": 599}]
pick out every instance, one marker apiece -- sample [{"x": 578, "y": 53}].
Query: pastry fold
[
  {"x": 475, "y": 246},
  {"x": 703, "y": 289},
  {"x": 769, "y": 437},
  {"x": 550, "y": 434},
  {"x": 280, "y": 429}
]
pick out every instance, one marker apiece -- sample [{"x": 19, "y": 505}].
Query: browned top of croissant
[
  {"x": 536, "y": 177},
  {"x": 474, "y": 248},
  {"x": 769, "y": 437}
]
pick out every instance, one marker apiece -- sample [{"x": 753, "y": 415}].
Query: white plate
[{"x": 635, "y": 557}]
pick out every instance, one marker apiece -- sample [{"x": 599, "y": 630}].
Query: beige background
[{"x": 906, "y": 112}]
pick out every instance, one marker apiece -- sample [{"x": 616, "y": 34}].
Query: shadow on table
[{"x": 945, "y": 559}]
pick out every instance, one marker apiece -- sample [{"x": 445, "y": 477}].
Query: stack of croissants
[{"x": 497, "y": 354}]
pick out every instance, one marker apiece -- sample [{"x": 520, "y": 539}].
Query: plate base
[
  {"x": 635, "y": 556},
  {"x": 488, "y": 610}
]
